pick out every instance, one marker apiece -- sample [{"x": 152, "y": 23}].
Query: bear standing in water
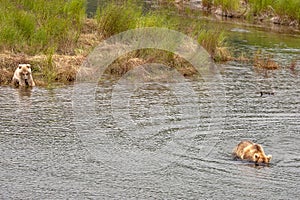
[
  {"x": 250, "y": 151},
  {"x": 23, "y": 76}
]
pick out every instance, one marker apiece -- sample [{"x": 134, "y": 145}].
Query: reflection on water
[{"x": 24, "y": 92}]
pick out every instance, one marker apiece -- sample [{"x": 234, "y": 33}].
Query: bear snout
[
  {"x": 25, "y": 76},
  {"x": 26, "y": 82}
]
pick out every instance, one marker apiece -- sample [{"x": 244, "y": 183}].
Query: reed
[{"x": 214, "y": 41}]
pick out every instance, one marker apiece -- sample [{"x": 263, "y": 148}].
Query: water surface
[{"x": 163, "y": 153}]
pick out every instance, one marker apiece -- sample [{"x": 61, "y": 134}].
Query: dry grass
[
  {"x": 64, "y": 67},
  {"x": 265, "y": 63},
  {"x": 223, "y": 54},
  {"x": 128, "y": 62},
  {"x": 242, "y": 58}
]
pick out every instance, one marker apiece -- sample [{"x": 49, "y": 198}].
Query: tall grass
[
  {"x": 34, "y": 26},
  {"x": 49, "y": 70},
  {"x": 117, "y": 17},
  {"x": 227, "y": 5},
  {"x": 289, "y": 8},
  {"x": 286, "y": 8},
  {"x": 214, "y": 41},
  {"x": 258, "y": 6},
  {"x": 114, "y": 18}
]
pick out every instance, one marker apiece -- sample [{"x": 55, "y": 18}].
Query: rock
[
  {"x": 275, "y": 20},
  {"x": 218, "y": 11}
]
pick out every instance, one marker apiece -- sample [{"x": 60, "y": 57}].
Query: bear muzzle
[{"x": 26, "y": 82}]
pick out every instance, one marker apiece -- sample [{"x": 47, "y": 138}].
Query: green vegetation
[
  {"x": 56, "y": 35},
  {"x": 214, "y": 41},
  {"x": 49, "y": 72},
  {"x": 288, "y": 9},
  {"x": 227, "y": 5},
  {"x": 118, "y": 17},
  {"x": 258, "y": 6},
  {"x": 35, "y": 26}
]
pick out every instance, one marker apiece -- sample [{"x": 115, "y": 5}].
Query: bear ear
[{"x": 258, "y": 147}]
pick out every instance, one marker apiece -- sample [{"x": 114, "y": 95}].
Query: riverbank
[
  {"x": 33, "y": 35},
  {"x": 53, "y": 66},
  {"x": 280, "y": 12},
  {"x": 57, "y": 56}
]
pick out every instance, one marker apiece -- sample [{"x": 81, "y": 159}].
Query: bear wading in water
[
  {"x": 23, "y": 76},
  {"x": 247, "y": 150}
]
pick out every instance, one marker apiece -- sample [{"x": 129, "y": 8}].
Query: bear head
[
  {"x": 258, "y": 155},
  {"x": 25, "y": 72}
]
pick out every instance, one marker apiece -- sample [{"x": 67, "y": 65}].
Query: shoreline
[
  {"x": 62, "y": 67},
  {"x": 243, "y": 11},
  {"x": 50, "y": 68}
]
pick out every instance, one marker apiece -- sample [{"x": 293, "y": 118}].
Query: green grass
[
  {"x": 117, "y": 17},
  {"x": 283, "y": 8},
  {"x": 227, "y": 5},
  {"x": 114, "y": 18},
  {"x": 35, "y": 26},
  {"x": 290, "y": 8},
  {"x": 258, "y": 6},
  {"x": 49, "y": 70},
  {"x": 53, "y": 27}
]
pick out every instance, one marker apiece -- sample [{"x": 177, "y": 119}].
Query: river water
[
  {"x": 164, "y": 150},
  {"x": 155, "y": 140}
]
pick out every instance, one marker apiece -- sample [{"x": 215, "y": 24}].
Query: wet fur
[{"x": 247, "y": 150}]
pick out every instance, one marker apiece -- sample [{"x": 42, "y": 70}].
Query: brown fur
[
  {"x": 247, "y": 150},
  {"x": 23, "y": 76}
]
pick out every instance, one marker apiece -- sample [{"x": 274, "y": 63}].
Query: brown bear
[
  {"x": 23, "y": 76},
  {"x": 247, "y": 150}
]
